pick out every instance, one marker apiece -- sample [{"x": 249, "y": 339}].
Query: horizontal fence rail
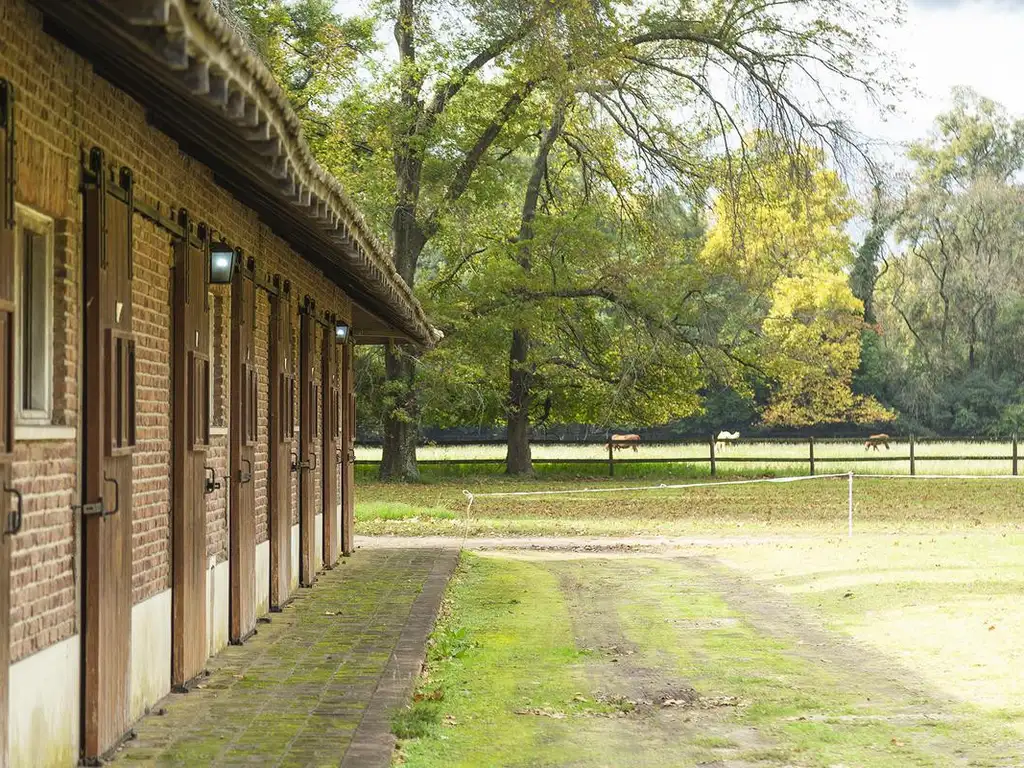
[{"x": 713, "y": 456}]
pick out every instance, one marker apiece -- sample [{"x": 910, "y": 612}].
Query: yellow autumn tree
[{"x": 780, "y": 232}]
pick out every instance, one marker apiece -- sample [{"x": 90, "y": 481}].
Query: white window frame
[{"x": 27, "y": 218}]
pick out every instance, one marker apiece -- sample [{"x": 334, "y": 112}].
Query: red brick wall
[
  {"x": 260, "y": 475},
  {"x": 151, "y": 491},
  {"x": 63, "y": 109}
]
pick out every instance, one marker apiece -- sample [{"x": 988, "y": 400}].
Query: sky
[{"x": 945, "y": 43}]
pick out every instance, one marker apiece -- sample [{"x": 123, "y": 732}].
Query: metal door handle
[
  {"x": 245, "y": 476},
  {"x": 315, "y": 465},
  {"x": 14, "y": 518},
  {"x": 211, "y": 482},
  {"x": 338, "y": 458},
  {"x": 295, "y": 461},
  {"x": 117, "y": 496}
]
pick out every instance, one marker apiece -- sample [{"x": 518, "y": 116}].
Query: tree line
[{"x": 636, "y": 213}]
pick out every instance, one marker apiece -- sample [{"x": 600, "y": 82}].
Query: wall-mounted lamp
[
  {"x": 222, "y": 263},
  {"x": 341, "y": 331}
]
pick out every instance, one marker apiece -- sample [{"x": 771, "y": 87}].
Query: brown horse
[
  {"x": 619, "y": 442},
  {"x": 876, "y": 440}
]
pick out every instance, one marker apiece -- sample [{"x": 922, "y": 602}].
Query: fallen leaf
[
  {"x": 435, "y": 695},
  {"x": 541, "y": 712}
]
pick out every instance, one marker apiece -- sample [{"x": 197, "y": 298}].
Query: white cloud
[{"x": 946, "y": 43}]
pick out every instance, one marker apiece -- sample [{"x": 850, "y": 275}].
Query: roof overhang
[{"x": 202, "y": 86}]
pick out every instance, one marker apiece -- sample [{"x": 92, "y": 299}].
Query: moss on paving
[
  {"x": 295, "y": 693},
  {"x": 508, "y": 685}
]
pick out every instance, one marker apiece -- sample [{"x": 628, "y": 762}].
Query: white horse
[{"x": 725, "y": 438}]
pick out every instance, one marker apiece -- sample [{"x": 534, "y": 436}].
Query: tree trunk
[
  {"x": 518, "y": 460},
  {"x": 520, "y": 370},
  {"x": 401, "y": 422}
]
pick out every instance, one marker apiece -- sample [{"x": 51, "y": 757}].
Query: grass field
[
  {"x": 812, "y": 507},
  {"x": 775, "y": 639},
  {"x": 765, "y": 655}
]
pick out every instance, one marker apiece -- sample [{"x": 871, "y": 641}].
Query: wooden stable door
[
  {"x": 330, "y": 458},
  {"x": 308, "y": 463},
  {"x": 244, "y": 418},
  {"x": 108, "y": 438},
  {"x": 10, "y": 521},
  {"x": 348, "y": 451},
  {"x": 191, "y": 478},
  {"x": 281, "y": 438}
]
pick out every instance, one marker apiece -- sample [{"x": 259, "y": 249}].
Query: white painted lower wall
[
  {"x": 217, "y": 609},
  {"x": 43, "y": 706},
  {"x": 262, "y": 578},
  {"x": 295, "y": 557},
  {"x": 151, "y": 652},
  {"x": 318, "y": 543}
]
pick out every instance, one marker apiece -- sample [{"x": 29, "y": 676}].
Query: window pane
[{"x": 34, "y": 333}]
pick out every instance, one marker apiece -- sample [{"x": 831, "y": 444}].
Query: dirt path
[
  {"x": 661, "y": 710},
  {"x": 832, "y": 686}
]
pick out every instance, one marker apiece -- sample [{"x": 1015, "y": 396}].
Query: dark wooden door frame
[
  {"x": 281, "y": 439},
  {"x": 308, "y": 463},
  {"x": 191, "y": 478},
  {"x": 348, "y": 451},
  {"x": 243, "y": 436},
  {"x": 108, "y": 437},
  {"x": 10, "y": 521},
  {"x": 330, "y": 458}
]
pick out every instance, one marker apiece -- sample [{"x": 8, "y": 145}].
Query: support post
[
  {"x": 714, "y": 466},
  {"x": 1014, "y": 453},
  {"x": 611, "y": 458},
  {"x": 913, "y": 468},
  {"x": 810, "y": 445},
  {"x": 850, "y": 504}
]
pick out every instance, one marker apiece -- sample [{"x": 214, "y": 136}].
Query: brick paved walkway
[{"x": 316, "y": 686}]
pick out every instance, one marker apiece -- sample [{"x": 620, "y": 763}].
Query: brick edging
[{"x": 373, "y": 743}]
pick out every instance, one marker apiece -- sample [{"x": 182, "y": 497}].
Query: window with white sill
[{"x": 33, "y": 280}]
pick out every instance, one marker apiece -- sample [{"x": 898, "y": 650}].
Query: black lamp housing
[
  {"x": 341, "y": 332},
  {"x": 222, "y": 263}
]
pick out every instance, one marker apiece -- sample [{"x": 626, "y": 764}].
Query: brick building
[{"x": 175, "y": 454}]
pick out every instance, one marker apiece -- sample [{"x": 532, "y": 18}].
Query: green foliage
[{"x": 952, "y": 298}]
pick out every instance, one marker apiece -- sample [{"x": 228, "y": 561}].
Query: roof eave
[{"x": 203, "y": 87}]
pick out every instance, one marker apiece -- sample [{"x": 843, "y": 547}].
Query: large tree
[
  {"x": 780, "y": 236},
  {"x": 456, "y": 98},
  {"x": 959, "y": 274}
]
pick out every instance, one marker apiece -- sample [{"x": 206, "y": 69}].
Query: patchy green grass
[
  {"x": 552, "y": 659},
  {"x": 810, "y": 507},
  {"x": 503, "y": 642},
  {"x": 397, "y": 510}
]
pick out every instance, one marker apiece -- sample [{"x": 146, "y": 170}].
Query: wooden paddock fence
[{"x": 714, "y": 457}]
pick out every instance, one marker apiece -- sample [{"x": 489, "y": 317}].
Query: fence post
[
  {"x": 913, "y": 469},
  {"x": 714, "y": 467},
  {"x": 1014, "y": 453},
  {"x": 611, "y": 458},
  {"x": 810, "y": 445}
]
